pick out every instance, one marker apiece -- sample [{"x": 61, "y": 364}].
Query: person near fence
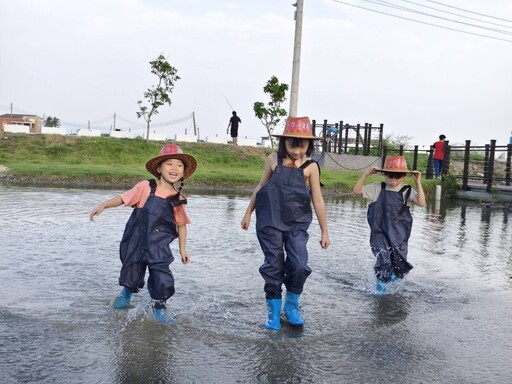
[
  {"x": 282, "y": 201},
  {"x": 439, "y": 156},
  {"x": 389, "y": 218},
  {"x": 158, "y": 218}
]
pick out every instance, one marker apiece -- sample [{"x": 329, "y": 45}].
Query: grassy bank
[{"x": 64, "y": 160}]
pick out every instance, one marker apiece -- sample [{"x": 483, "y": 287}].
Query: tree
[
  {"x": 52, "y": 122},
  {"x": 158, "y": 95},
  {"x": 271, "y": 114},
  {"x": 396, "y": 140}
]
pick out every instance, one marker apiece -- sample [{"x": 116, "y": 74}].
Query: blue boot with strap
[{"x": 292, "y": 311}]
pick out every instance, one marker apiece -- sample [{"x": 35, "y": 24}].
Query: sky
[{"x": 84, "y": 61}]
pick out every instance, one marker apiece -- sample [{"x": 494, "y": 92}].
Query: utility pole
[
  {"x": 194, "y": 120},
  {"x": 294, "y": 90}
]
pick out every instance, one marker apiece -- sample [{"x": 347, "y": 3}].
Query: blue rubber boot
[
  {"x": 394, "y": 277},
  {"x": 292, "y": 311},
  {"x": 162, "y": 316},
  {"x": 380, "y": 287},
  {"x": 123, "y": 300},
  {"x": 274, "y": 314}
]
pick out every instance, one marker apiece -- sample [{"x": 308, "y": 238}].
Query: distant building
[{"x": 20, "y": 123}]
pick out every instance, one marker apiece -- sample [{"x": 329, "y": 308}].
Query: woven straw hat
[
  {"x": 395, "y": 164},
  {"x": 299, "y": 127},
  {"x": 172, "y": 151}
]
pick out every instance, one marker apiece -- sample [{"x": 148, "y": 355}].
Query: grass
[{"x": 92, "y": 160}]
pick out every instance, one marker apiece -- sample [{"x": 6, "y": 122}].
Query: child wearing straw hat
[
  {"x": 158, "y": 218},
  {"x": 282, "y": 202},
  {"x": 389, "y": 218}
]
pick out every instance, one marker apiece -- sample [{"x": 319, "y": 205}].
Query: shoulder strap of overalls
[
  {"x": 407, "y": 188},
  {"x": 306, "y": 163}
]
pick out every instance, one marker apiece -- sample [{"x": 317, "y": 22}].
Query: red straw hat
[
  {"x": 172, "y": 151},
  {"x": 299, "y": 127},
  {"x": 395, "y": 164}
]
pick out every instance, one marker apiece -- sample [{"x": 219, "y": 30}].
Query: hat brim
[
  {"x": 393, "y": 170},
  {"x": 299, "y": 136},
  {"x": 189, "y": 161}
]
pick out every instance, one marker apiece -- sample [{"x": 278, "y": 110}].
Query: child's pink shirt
[{"x": 140, "y": 193}]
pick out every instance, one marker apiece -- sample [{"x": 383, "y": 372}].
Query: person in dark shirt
[{"x": 233, "y": 123}]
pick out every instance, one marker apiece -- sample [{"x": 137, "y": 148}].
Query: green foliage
[
  {"x": 57, "y": 151},
  {"x": 52, "y": 122},
  {"x": 158, "y": 95},
  {"x": 450, "y": 186},
  {"x": 271, "y": 114}
]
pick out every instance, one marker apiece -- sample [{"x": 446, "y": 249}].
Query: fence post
[
  {"x": 430, "y": 171},
  {"x": 339, "y": 134},
  {"x": 490, "y": 174},
  {"x": 384, "y": 155},
  {"x": 358, "y": 135},
  {"x": 446, "y": 158},
  {"x": 401, "y": 150},
  {"x": 465, "y": 170},
  {"x": 381, "y": 132},
  {"x": 324, "y": 134},
  {"x": 486, "y": 163},
  {"x": 365, "y": 140},
  {"x": 415, "y": 159},
  {"x": 345, "y": 144},
  {"x": 507, "y": 169}
]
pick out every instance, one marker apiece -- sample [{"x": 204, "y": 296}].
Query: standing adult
[
  {"x": 510, "y": 140},
  {"x": 233, "y": 123},
  {"x": 439, "y": 156}
]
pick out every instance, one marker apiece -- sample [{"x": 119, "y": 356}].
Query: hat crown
[
  {"x": 298, "y": 126},
  {"x": 170, "y": 149},
  {"x": 396, "y": 163}
]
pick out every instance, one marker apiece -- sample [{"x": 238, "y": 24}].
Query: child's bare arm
[
  {"x": 319, "y": 204},
  {"x": 420, "y": 198},
  {"x": 358, "y": 188},
  {"x": 182, "y": 243},
  {"x": 114, "y": 202}
]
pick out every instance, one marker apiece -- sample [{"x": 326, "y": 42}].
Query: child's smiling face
[{"x": 172, "y": 170}]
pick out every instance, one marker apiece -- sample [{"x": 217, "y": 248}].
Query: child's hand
[
  {"x": 185, "y": 258},
  {"x": 246, "y": 221},
  {"x": 416, "y": 175},
  {"x": 371, "y": 171},
  {"x": 96, "y": 212},
  {"x": 325, "y": 242}
]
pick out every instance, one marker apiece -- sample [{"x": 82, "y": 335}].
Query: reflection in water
[
  {"x": 60, "y": 270},
  {"x": 390, "y": 309}
]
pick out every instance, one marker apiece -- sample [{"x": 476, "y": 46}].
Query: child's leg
[
  {"x": 161, "y": 288},
  {"x": 272, "y": 270}
]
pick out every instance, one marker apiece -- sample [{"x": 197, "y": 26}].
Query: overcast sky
[{"x": 86, "y": 60}]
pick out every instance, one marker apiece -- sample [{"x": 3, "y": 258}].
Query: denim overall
[
  {"x": 283, "y": 216},
  {"x": 390, "y": 222},
  {"x": 146, "y": 244}
]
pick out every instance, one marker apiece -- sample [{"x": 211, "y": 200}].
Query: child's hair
[
  {"x": 442, "y": 137},
  {"x": 281, "y": 150}
]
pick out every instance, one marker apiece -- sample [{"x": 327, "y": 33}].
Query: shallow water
[{"x": 447, "y": 322}]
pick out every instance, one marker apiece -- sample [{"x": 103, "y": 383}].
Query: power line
[
  {"x": 423, "y": 22},
  {"x": 465, "y": 10},
  {"x": 458, "y": 14},
  {"x": 391, "y": 5}
]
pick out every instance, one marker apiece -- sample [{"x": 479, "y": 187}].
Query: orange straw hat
[
  {"x": 395, "y": 164},
  {"x": 299, "y": 127},
  {"x": 172, "y": 151}
]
